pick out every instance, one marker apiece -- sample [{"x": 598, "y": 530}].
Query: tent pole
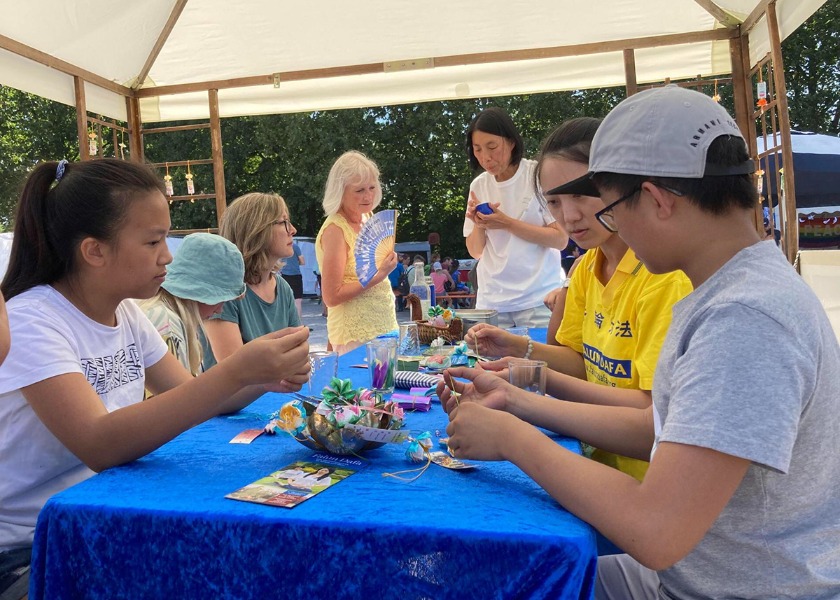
[
  {"x": 135, "y": 130},
  {"x": 81, "y": 117},
  {"x": 218, "y": 163},
  {"x": 738, "y": 49},
  {"x": 791, "y": 229},
  {"x": 631, "y": 84},
  {"x": 742, "y": 92}
]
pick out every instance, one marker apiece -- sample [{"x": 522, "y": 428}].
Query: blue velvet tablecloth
[{"x": 161, "y": 527}]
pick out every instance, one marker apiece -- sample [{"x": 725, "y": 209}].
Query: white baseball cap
[{"x": 661, "y": 132}]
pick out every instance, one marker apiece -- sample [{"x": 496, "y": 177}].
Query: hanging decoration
[
  {"x": 167, "y": 180},
  {"x": 93, "y": 146},
  {"x": 761, "y": 92},
  {"x": 122, "y": 145},
  {"x": 760, "y": 182},
  {"x": 716, "y": 96},
  {"x": 190, "y": 183}
]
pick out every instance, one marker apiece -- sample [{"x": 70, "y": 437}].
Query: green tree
[
  {"x": 812, "y": 71},
  {"x": 32, "y": 129}
]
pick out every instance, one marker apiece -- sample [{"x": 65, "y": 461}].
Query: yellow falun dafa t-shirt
[{"x": 619, "y": 328}]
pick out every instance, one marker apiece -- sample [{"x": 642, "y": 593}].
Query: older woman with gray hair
[{"x": 357, "y": 313}]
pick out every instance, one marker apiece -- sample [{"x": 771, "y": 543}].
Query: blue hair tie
[{"x": 59, "y": 170}]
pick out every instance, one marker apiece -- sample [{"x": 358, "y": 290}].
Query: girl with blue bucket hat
[{"x": 206, "y": 272}]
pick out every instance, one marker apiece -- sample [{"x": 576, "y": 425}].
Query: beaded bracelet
[{"x": 529, "y": 350}]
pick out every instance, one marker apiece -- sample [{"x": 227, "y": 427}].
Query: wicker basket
[{"x": 428, "y": 333}]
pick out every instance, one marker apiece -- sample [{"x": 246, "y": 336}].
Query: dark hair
[
  {"x": 713, "y": 194},
  {"x": 571, "y": 140},
  {"x": 494, "y": 121},
  {"x": 53, "y": 217}
]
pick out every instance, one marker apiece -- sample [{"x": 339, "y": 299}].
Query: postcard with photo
[{"x": 296, "y": 482}]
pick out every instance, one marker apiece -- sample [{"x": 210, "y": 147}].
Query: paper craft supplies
[{"x": 412, "y": 402}]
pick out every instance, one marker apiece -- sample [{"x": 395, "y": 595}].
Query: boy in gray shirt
[{"x": 740, "y": 500}]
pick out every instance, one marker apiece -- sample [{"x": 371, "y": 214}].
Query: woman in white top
[{"x": 516, "y": 238}]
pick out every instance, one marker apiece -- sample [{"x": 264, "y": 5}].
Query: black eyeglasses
[
  {"x": 285, "y": 223},
  {"x": 605, "y": 217}
]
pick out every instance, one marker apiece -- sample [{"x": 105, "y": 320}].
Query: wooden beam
[
  {"x": 218, "y": 162},
  {"x": 450, "y": 61},
  {"x": 183, "y": 163},
  {"x": 81, "y": 117},
  {"x": 791, "y": 229},
  {"x": 109, "y": 124},
  {"x": 721, "y": 16},
  {"x": 740, "y": 84},
  {"x": 190, "y": 198},
  {"x": 45, "y": 59},
  {"x": 754, "y": 16},
  {"x": 135, "y": 130},
  {"x": 164, "y": 35},
  {"x": 150, "y": 130},
  {"x": 631, "y": 84}
]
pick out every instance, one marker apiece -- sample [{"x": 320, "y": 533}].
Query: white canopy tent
[
  {"x": 163, "y": 60},
  {"x": 336, "y": 54}
]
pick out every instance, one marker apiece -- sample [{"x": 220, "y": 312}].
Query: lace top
[{"x": 368, "y": 315}]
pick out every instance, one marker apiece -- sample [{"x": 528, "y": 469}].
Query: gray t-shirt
[{"x": 751, "y": 368}]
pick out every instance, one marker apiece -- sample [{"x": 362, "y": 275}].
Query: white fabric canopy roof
[{"x": 221, "y": 40}]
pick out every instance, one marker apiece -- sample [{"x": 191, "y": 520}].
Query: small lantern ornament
[
  {"x": 761, "y": 92},
  {"x": 122, "y": 145},
  {"x": 190, "y": 183},
  {"x": 93, "y": 146},
  {"x": 760, "y": 181},
  {"x": 167, "y": 181},
  {"x": 716, "y": 96}
]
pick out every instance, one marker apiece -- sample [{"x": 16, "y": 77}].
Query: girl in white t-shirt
[
  {"x": 89, "y": 236},
  {"x": 516, "y": 238}
]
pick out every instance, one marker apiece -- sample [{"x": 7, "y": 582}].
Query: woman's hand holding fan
[{"x": 374, "y": 251}]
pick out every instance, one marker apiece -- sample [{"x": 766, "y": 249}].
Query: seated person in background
[
  {"x": 260, "y": 226},
  {"x": 206, "y": 272},
  {"x": 616, "y": 312},
  {"x": 441, "y": 277},
  {"x": 740, "y": 499},
  {"x": 452, "y": 265}
]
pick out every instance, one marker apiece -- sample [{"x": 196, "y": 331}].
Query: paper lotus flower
[
  {"x": 339, "y": 391},
  {"x": 440, "y": 317},
  {"x": 323, "y": 426},
  {"x": 291, "y": 418},
  {"x": 459, "y": 357},
  {"x": 418, "y": 448}
]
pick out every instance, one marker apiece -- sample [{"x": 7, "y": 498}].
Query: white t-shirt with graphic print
[{"x": 52, "y": 337}]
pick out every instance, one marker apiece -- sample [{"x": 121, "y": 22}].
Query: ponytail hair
[{"x": 54, "y": 215}]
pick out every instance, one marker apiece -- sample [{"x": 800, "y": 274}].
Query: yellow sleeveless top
[{"x": 368, "y": 315}]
